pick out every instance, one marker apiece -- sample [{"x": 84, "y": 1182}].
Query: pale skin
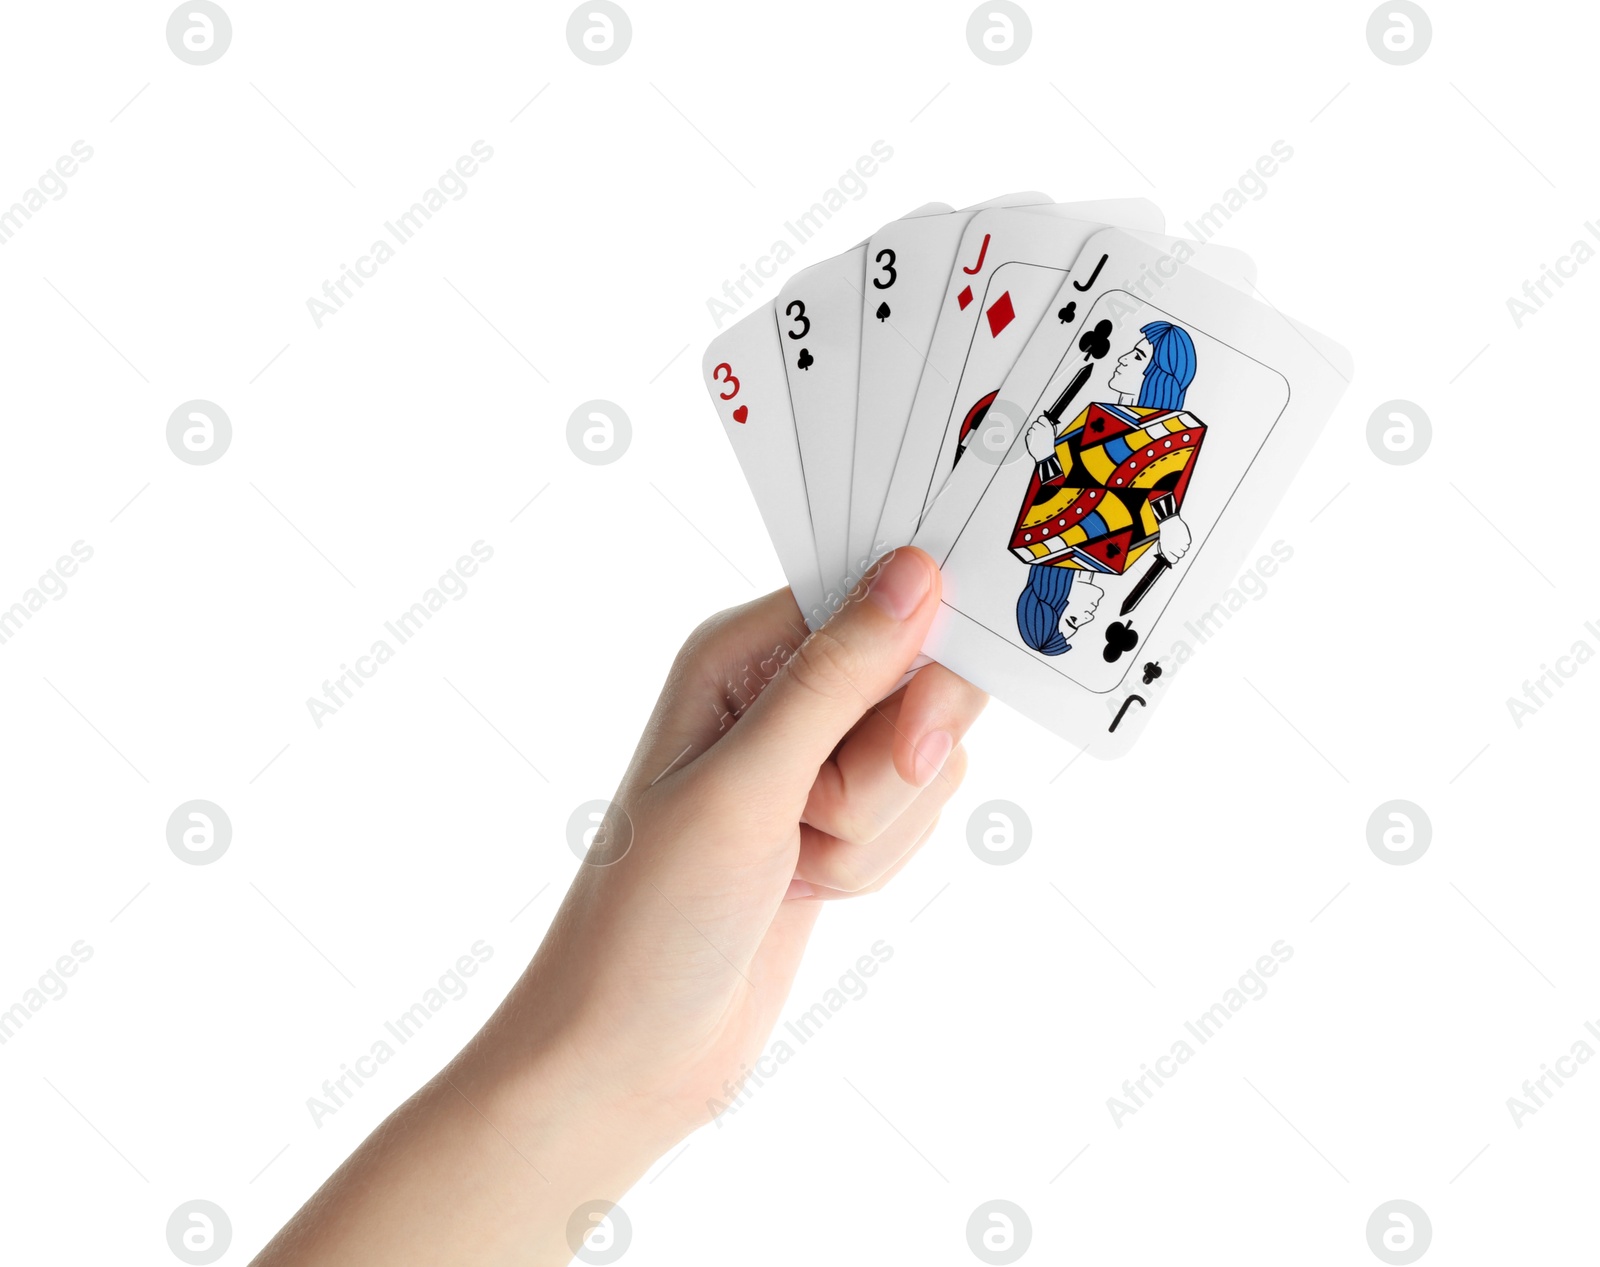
[{"x": 664, "y": 971}]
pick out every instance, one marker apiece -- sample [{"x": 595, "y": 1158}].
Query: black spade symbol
[
  {"x": 806, "y": 359},
  {"x": 1120, "y": 637},
  {"x": 883, "y": 312},
  {"x": 1097, "y": 342},
  {"x": 1068, "y": 313}
]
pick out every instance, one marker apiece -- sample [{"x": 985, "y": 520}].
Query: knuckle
[
  {"x": 856, "y": 825},
  {"x": 711, "y": 641},
  {"x": 846, "y": 819},
  {"x": 848, "y": 872},
  {"x": 701, "y": 640}
]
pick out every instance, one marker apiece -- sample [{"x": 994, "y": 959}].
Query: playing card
[
  {"x": 819, "y": 318},
  {"x": 909, "y": 263},
  {"x": 1164, "y": 425},
  {"x": 1039, "y": 236},
  {"x": 1017, "y": 299},
  {"x": 743, "y": 370}
]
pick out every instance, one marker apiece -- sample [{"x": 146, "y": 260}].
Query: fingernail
[
  {"x": 930, "y": 756},
  {"x": 900, "y": 586},
  {"x": 798, "y": 888}
]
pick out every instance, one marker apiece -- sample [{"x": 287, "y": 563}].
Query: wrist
[
  {"x": 549, "y": 1101},
  {"x": 500, "y": 1152}
]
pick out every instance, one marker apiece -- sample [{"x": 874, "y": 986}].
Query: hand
[
  {"x": 1173, "y": 539},
  {"x": 665, "y": 968},
  {"x": 1040, "y": 439},
  {"x": 674, "y": 959}
]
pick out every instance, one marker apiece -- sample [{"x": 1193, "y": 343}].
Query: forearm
[{"x": 485, "y": 1165}]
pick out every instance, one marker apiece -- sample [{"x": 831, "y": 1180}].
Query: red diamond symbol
[
  {"x": 1000, "y": 314},
  {"x": 964, "y": 298}
]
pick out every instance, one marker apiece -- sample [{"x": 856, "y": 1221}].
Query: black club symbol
[
  {"x": 1120, "y": 638},
  {"x": 1097, "y": 342}
]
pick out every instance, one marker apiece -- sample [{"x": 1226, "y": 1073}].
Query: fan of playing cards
[{"x": 1084, "y": 422}]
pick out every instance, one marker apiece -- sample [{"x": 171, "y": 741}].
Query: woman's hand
[
  {"x": 673, "y": 953},
  {"x": 777, "y": 771}
]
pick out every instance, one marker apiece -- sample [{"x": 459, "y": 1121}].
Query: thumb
[{"x": 834, "y": 677}]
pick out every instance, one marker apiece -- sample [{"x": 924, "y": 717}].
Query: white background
[{"x": 369, "y": 854}]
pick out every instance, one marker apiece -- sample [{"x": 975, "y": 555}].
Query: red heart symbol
[{"x": 741, "y": 413}]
